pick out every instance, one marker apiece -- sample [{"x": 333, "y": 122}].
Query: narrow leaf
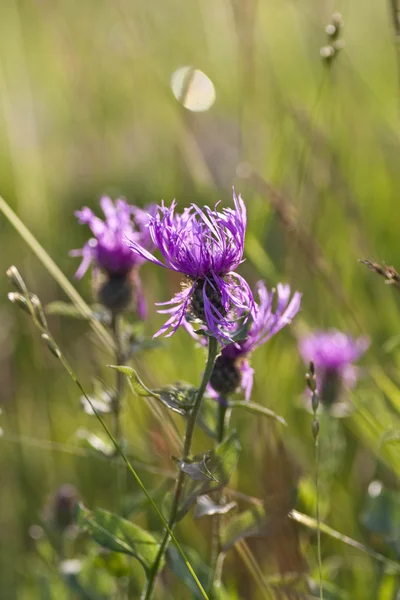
[
  {"x": 136, "y": 384},
  {"x": 258, "y": 409}
]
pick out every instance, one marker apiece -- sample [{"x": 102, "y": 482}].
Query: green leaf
[
  {"x": 198, "y": 471},
  {"x": 179, "y": 397},
  {"x": 136, "y": 384},
  {"x": 178, "y": 567},
  {"x": 220, "y": 463},
  {"x": 258, "y": 409},
  {"x": 205, "y": 507},
  {"x": 116, "y": 563},
  {"x": 118, "y": 535},
  {"x": 249, "y": 523}
]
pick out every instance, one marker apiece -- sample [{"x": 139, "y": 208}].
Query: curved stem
[{"x": 190, "y": 426}]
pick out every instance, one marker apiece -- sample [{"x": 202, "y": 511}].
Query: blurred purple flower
[
  {"x": 206, "y": 246},
  {"x": 107, "y": 250},
  {"x": 333, "y": 354},
  {"x": 232, "y": 368}
]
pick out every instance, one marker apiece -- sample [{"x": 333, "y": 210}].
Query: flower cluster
[{"x": 206, "y": 247}]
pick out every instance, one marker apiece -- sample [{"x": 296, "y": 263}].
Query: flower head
[
  {"x": 108, "y": 251},
  {"x": 333, "y": 354},
  {"x": 206, "y": 246},
  {"x": 232, "y": 368}
]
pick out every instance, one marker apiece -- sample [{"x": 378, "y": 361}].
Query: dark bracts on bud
[
  {"x": 330, "y": 387},
  {"x": 213, "y": 294},
  {"x": 225, "y": 377},
  {"x": 60, "y": 510},
  {"x": 116, "y": 292}
]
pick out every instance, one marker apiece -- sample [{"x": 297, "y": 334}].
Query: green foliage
[
  {"x": 213, "y": 471},
  {"x": 118, "y": 535}
]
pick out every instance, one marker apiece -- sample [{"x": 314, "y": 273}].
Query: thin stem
[
  {"x": 318, "y": 516},
  {"x": 190, "y": 426},
  {"x": 120, "y": 379},
  {"x": 217, "y": 557},
  {"x": 116, "y": 404}
]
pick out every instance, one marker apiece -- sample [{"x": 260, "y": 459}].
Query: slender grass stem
[
  {"x": 190, "y": 427},
  {"x": 317, "y": 512}
]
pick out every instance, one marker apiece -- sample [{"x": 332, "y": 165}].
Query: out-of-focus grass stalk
[{"x": 190, "y": 427}]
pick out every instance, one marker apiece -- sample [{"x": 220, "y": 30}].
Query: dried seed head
[
  {"x": 16, "y": 280},
  {"x": 19, "y": 301},
  {"x": 327, "y": 52},
  {"x": 337, "y": 20},
  {"x": 38, "y": 310},
  {"x": 52, "y": 346}
]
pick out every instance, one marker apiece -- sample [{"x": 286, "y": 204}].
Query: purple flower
[
  {"x": 232, "y": 368},
  {"x": 333, "y": 354},
  {"x": 206, "y": 246},
  {"x": 108, "y": 251}
]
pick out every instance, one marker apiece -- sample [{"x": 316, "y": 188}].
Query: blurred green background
[{"x": 86, "y": 109}]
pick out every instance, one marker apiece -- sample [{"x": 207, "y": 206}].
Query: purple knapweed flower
[
  {"x": 232, "y": 368},
  {"x": 333, "y": 354},
  {"x": 108, "y": 252},
  {"x": 206, "y": 246}
]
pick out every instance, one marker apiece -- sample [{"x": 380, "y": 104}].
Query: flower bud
[
  {"x": 116, "y": 293},
  {"x": 60, "y": 510},
  {"x": 225, "y": 377}
]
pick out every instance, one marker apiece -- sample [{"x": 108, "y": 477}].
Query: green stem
[
  {"x": 217, "y": 557},
  {"x": 120, "y": 379},
  {"x": 190, "y": 426},
  {"x": 318, "y": 516}
]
